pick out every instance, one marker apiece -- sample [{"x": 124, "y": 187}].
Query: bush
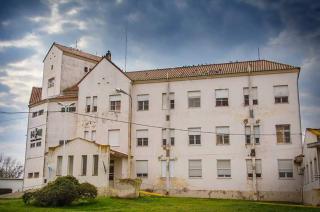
[
  {"x": 87, "y": 191},
  {"x": 62, "y": 191}
]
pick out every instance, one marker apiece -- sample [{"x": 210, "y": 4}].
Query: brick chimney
[{"x": 108, "y": 55}]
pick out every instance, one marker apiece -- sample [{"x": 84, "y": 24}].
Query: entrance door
[{"x": 111, "y": 170}]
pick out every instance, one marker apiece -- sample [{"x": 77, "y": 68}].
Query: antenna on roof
[
  {"x": 76, "y": 44},
  {"x": 126, "y": 47},
  {"x": 258, "y": 53}
]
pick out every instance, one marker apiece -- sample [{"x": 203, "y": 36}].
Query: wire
[{"x": 146, "y": 125}]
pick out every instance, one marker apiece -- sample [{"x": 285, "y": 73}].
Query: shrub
[
  {"x": 87, "y": 191},
  {"x": 62, "y": 191}
]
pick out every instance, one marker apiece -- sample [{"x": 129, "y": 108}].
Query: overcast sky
[{"x": 160, "y": 34}]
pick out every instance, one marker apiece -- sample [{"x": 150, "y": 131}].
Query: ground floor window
[{"x": 142, "y": 168}]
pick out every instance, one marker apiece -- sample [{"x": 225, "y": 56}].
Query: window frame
[
  {"x": 221, "y": 101},
  {"x": 142, "y": 174},
  {"x": 194, "y": 101},
  {"x": 285, "y": 170},
  {"x": 281, "y": 131},
  {"x": 189, "y": 169},
  {"x": 194, "y": 135},
  {"x": 223, "y": 176}
]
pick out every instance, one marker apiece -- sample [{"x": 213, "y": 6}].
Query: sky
[{"x": 165, "y": 33}]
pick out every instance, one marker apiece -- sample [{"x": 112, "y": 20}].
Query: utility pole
[{"x": 252, "y": 135}]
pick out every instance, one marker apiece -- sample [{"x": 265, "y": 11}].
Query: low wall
[{"x": 312, "y": 197}]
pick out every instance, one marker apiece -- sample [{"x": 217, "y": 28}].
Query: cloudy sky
[{"x": 160, "y": 34}]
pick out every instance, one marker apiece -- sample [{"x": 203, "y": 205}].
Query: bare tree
[{"x": 10, "y": 168}]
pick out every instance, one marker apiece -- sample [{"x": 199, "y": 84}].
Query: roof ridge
[{"x": 199, "y": 65}]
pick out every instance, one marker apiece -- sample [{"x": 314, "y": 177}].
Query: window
[
  {"x": 142, "y": 137},
  {"x": 32, "y": 145},
  {"x": 306, "y": 174},
  {"x": 34, "y": 114},
  {"x": 224, "y": 168},
  {"x": 164, "y": 137},
  {"x": 95, "y": 165},
  {"x": 194, "y": 136},
  {"x": 69, "y": 109},
  {"x": 165, "y": 103},
  {"x": 222, "y": 96},
  {"x": 70, "y": 165},
  {"x": 36, "y": 134},
  {"x": 315, "y": 164},
  {"x": 285, "y": 168},
  {"x": 283, "y": 133},
  {"x": 40, "y": 112},
  {"x": 258, "y": 168},
  {"x": 51, "y": 67},
  {"x": 94, "y": 104},
  {"x": 311, "y": 171},
  {"x": 59, "y": 166},
  {"x": 30, "y": 175},
  {"x": 256, "y": 134},
  {"x": 86, "y": 135},
  {"x": 38, "y": 144},
  {"x": 85, "y": 69},
  {"x": 84, "y": 165},
  {"x": 88, "y": 104},
  {"x": 142, "y": 168},
  {"x": 93, "y": 135},
  {"x": 281, "y": 94},
  {"x": 36, "y": 175},
  {"x": 222, "y": 135},
  {"x": 115, "y": 103},
  {"x": 164, "y": 168},
  {"x": 254, "y": 93},
  {"x": 194, "y": 99},
  {"x": 114, "y": 137},
  {"x": 51, "y": 82},
  {"x": 195, "y": 168},
  {"x": 143, "y": 102}
]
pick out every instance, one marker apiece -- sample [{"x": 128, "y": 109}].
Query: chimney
[{"x": 108, "y": 55}]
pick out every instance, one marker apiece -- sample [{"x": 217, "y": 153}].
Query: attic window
[{"x": 86, "y": 69}]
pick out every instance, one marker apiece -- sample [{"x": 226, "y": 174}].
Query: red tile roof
[
  {"x": 208, "y": 70},
  {"x": 35, "y": 95},
  {"x": 77, "y": 52}
]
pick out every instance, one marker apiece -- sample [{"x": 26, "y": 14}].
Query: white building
[
  {"x": 311, "y": 151},
  {"x": 233, "y": 129}
]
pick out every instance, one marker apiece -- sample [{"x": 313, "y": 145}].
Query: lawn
[{"x": 159, "y": 204}]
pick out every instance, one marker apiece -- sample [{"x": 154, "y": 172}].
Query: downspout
[
  {"x": 129, "y": 132},
  {"x": 252, "y": 137},
  {"x": 300, "y": 132},
  {"x": 168, "y": 139},
  {"x": 45, "y": 142}
]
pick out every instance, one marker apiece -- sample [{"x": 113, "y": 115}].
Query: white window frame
[
  {"x": 223, "y": 169},
  {"x": 143, "y": 173},
  {"x": 142, "y": 140},
  {"x": 194, "y": 134},
  {"x": 224, "y": 137},
  {"x": 286, "y": 171},
  {"x": 194, "y": 99},
  {"x": 191, "y": 169}
]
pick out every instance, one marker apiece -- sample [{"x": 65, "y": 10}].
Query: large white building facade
[{"x": 220, "y": 131}]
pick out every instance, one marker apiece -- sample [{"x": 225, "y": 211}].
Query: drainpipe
[
  {"x": 129, "y": 133},
  {"x": 252, "y": 137},
  {"x": 168, "y": 139}
]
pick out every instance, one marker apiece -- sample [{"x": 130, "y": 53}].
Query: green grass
[{"x": 159, "y": 204}]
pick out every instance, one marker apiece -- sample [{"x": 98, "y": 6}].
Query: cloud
[
  {"x": 58, "y": 23},
  {"x": 28, "y": 41}
]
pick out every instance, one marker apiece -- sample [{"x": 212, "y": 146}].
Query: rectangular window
[
  {"x": 115, "y": 103},
  {"x": 85, "y": 69},
  {"x": 94, "y": 104},
  {"x": 311, "y": 171},
  {"x": 307, "y": 174},
  {"x": 195, "y": 168},
  {"x": 285, "y": 168},
  {"x": 84, "y": 165},
  {"x": 223, "y": 168},
  {"x": 315, "y": 164},
  {"x": 51, "y": 82},
  {"x": 254, "y": 93},
  {"x": 164, "y": 168},
  {"x": 40, "y": 112},
  {"x": 258, "y": 168},
  {"x": 142, "y": 137},
  {"x": 281, "y": 93},
  {"x": 86, "y": 135},
  {"x": 36, "y": 175},
  {"x": 88, "y": 104},
  {"x": 194, "y": 99},
  {"x": 93, "y": 135},
  {"x": 30, "y": 175},
  {"x": 143, "y": 102},
  {"x": 194, "y": 136},
  {"x": 164, "y": 137},
  {"x": 38, "y": 144},
  {"x": 165, "y": 103},
  {"x": 32, "y": 145},
  {"x": 34, "y": 114},
  {"x": 223, "y": 137},
  {"x": 283, "y": 134},
  {"x": 114, "y": 137},
  {"x": 256, "y": 134},
  {"x": 222, "y": 97},
  {"x": 95, "y": 165},
  {"x": 142, "y": 168},
  {"x": 59, "y": 166},
  {"x": 70, "y": 165}
]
